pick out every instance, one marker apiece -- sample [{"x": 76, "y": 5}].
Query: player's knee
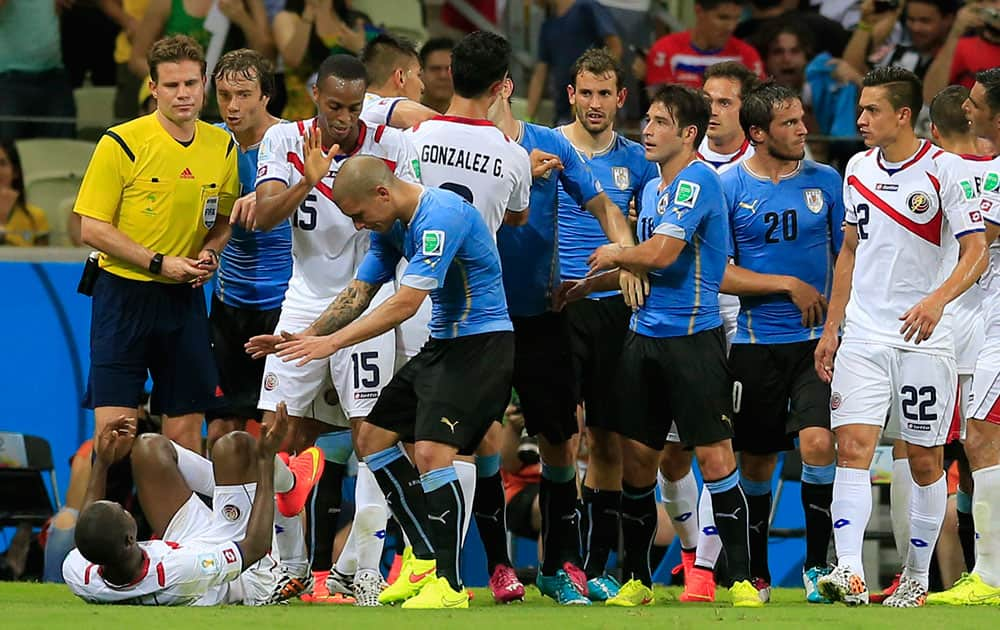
[
  {"x": 151, "y": 447},
  {"x": 605, "y": 448},
  {"x": 816, "y": 447},
  {"x": 675, "y": 462},
  {"x": 234, "y": 451},
  {"x": 716, "y": 460},
  {"x": 758, "y": 467},
  {"x": 854, "y": 450},
  {"x": 431, "y": 456}
]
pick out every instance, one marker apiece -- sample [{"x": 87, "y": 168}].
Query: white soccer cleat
[
  {"x": 844, "y": 585},
  {"x": 338, "y": 582},
  {"x": 910, "y": 594},
  {"x": 367, "y": 588}
]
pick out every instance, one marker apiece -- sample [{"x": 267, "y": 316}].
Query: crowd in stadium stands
[{"x": 289, "y": 79}]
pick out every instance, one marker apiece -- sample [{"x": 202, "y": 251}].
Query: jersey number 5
[{"x": 305, "y": 217}]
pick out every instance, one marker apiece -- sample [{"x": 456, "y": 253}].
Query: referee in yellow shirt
[{"x": 154, "y": 201}]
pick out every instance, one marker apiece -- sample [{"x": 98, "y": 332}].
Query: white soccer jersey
[
  {"x": 987, "y": 186},
  {"x": 326, "y": 248},
  {"x": 172, "y": 575},
  {"x": 473, "y": 158},
  {"x": 906, "y": 215},
  {"x": 722, "y": 162},
  {"x": 377, "y": 110}
]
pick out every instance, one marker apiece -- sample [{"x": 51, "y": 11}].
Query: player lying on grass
[{"x": 204, "y": 556}]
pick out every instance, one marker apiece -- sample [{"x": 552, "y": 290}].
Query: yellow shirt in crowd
[
  {"x": 123, "y": 47},
  {"x": 25, "y": 226},
  {"x": 160, "y": 193}
]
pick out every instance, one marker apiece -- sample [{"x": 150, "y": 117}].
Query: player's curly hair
[
  {"x": 598, "y": 62},
  {"x": 903, "y": 88},
  {"x": 478, "y": 61},
  {"x": 174, "y": 49},
  {"x": 760, "y": 103},
  {"x": 249, "y": 65}
]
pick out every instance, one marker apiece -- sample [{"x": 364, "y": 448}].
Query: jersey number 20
[{"x": 785, "y": 225}]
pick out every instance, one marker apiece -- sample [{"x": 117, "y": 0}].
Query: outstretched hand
[
  {"x": 114, "y": 440},
  {"x": 306, "y": 348},
  {"x": 259, "y": 346},
  {"x": 317, "y": 161}
]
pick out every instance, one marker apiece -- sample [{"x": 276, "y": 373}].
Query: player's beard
[
  {"x": 786, "y": 156},
  {"x": 581, "y": 115}
]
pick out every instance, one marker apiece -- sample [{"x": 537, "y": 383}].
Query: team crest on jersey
[
  {"x": 621, "y": 177},
  {"x": 207, "y": 563},
  {"x": 814, "y": 199},
  {"x": 687, "y": 194},
  {"x": 270, "y": 381},
  {"x": 918, "y": 202},
  {"x": 661, "y": 205},
  {"x": 835, "y": 400},
  {"x": 432, "y": 242},
  {"x": 230, "y": 512}
]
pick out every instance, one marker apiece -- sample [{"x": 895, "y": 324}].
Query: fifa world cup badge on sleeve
[
  {"x": 687, "y": 193},
  {"x": 433, "y": 242}
]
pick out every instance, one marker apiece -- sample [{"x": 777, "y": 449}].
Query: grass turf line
[{"x": 53, "y": 606}]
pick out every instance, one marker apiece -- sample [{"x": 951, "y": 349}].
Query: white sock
[
  {"x": 290, "y": 540},
  {"x": 709, "y": 541},
  {"x": 466, "y": 472},
  {"x": 850, "y": 510},
  {"x": 681, "y": 501},
  {"x": 986, "y": 494},
  {"x": 363, "y": 549},
  {"x": 196, "y": 470},
  {"x": 899, "y": 506},
  {"x": 926, "y": 515},
  {"x": 284, "y": 480}
]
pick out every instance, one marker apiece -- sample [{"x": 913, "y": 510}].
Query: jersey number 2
[{"x": 788, "y": 222}]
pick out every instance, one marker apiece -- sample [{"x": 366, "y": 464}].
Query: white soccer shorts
[
  {"x": 985, "y": 403},
  {"x": 968, "y": 327},
  {"x": 346, "y": 385},
  {"x": 196, "y": 524},
  {"x": 917, "y": 389}
]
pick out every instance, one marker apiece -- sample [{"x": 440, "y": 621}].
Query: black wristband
[{"x": 156, "y": 264}]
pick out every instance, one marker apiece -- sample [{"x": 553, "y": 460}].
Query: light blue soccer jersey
[
  {"x": 254, "y": 266},
  {"x": 530, "y": 264},
  {"x": 451, "y": 253},
  {"x": 791, "y": 228},
  {"x": 622, "y": 171},
  {"x": 684, "y": 297}
]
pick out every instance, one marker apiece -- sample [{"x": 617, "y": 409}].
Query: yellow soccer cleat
[
  {"x": 412, "y": 577},
  {"x": 436, "y": 594},
  {"x": 969, "y": 590},
  {"x": 632, "y": 593},
  {"x": 745, "y": 595}
]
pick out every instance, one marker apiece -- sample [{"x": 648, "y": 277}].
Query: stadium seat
[
  {"x": 402, "y": 17},
  {"x": 25, "y": 462},
  {"x": 53, "y": 169},
  {"x": 94, "y": 110}
]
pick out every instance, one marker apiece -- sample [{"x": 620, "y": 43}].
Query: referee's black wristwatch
[{"x": 156, "y": 264}]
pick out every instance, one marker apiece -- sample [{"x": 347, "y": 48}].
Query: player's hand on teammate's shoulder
[
  {"x": 543, "y": 162},
  {"x": 635, "y": 287},
  {"x": 920, "y": 320},
  {"x": 808, "y": 300},
  {"x": 305, "y": 348},
  {"x": 244, "y": 212},
  {"x": 317, "y": 161},
  {"x": 114, "y": 440},
  {"x": 823, "y": 356},
  {"x": 273, "y": 434}
]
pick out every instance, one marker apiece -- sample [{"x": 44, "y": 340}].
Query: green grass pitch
[{"x": 47, "y": 606}]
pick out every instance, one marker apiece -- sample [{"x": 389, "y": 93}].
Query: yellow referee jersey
[{"x": 158, "y": 192}]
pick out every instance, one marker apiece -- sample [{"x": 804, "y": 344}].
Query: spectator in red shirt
[
  {"x": 961, "y": 56},
  {"x": 683, "y": 57}
]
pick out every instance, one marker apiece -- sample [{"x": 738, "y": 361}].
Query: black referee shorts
[{"x": 778, "y": 394}]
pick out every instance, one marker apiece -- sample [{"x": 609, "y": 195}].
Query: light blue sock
[
  {"x": 437, "y": 478},
  {"x": 487, "y": 465}
]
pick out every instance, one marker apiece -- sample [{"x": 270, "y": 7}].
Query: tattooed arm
[
  {"x": 311, "y": 346},
  {"x": 345, "y": 308}
]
